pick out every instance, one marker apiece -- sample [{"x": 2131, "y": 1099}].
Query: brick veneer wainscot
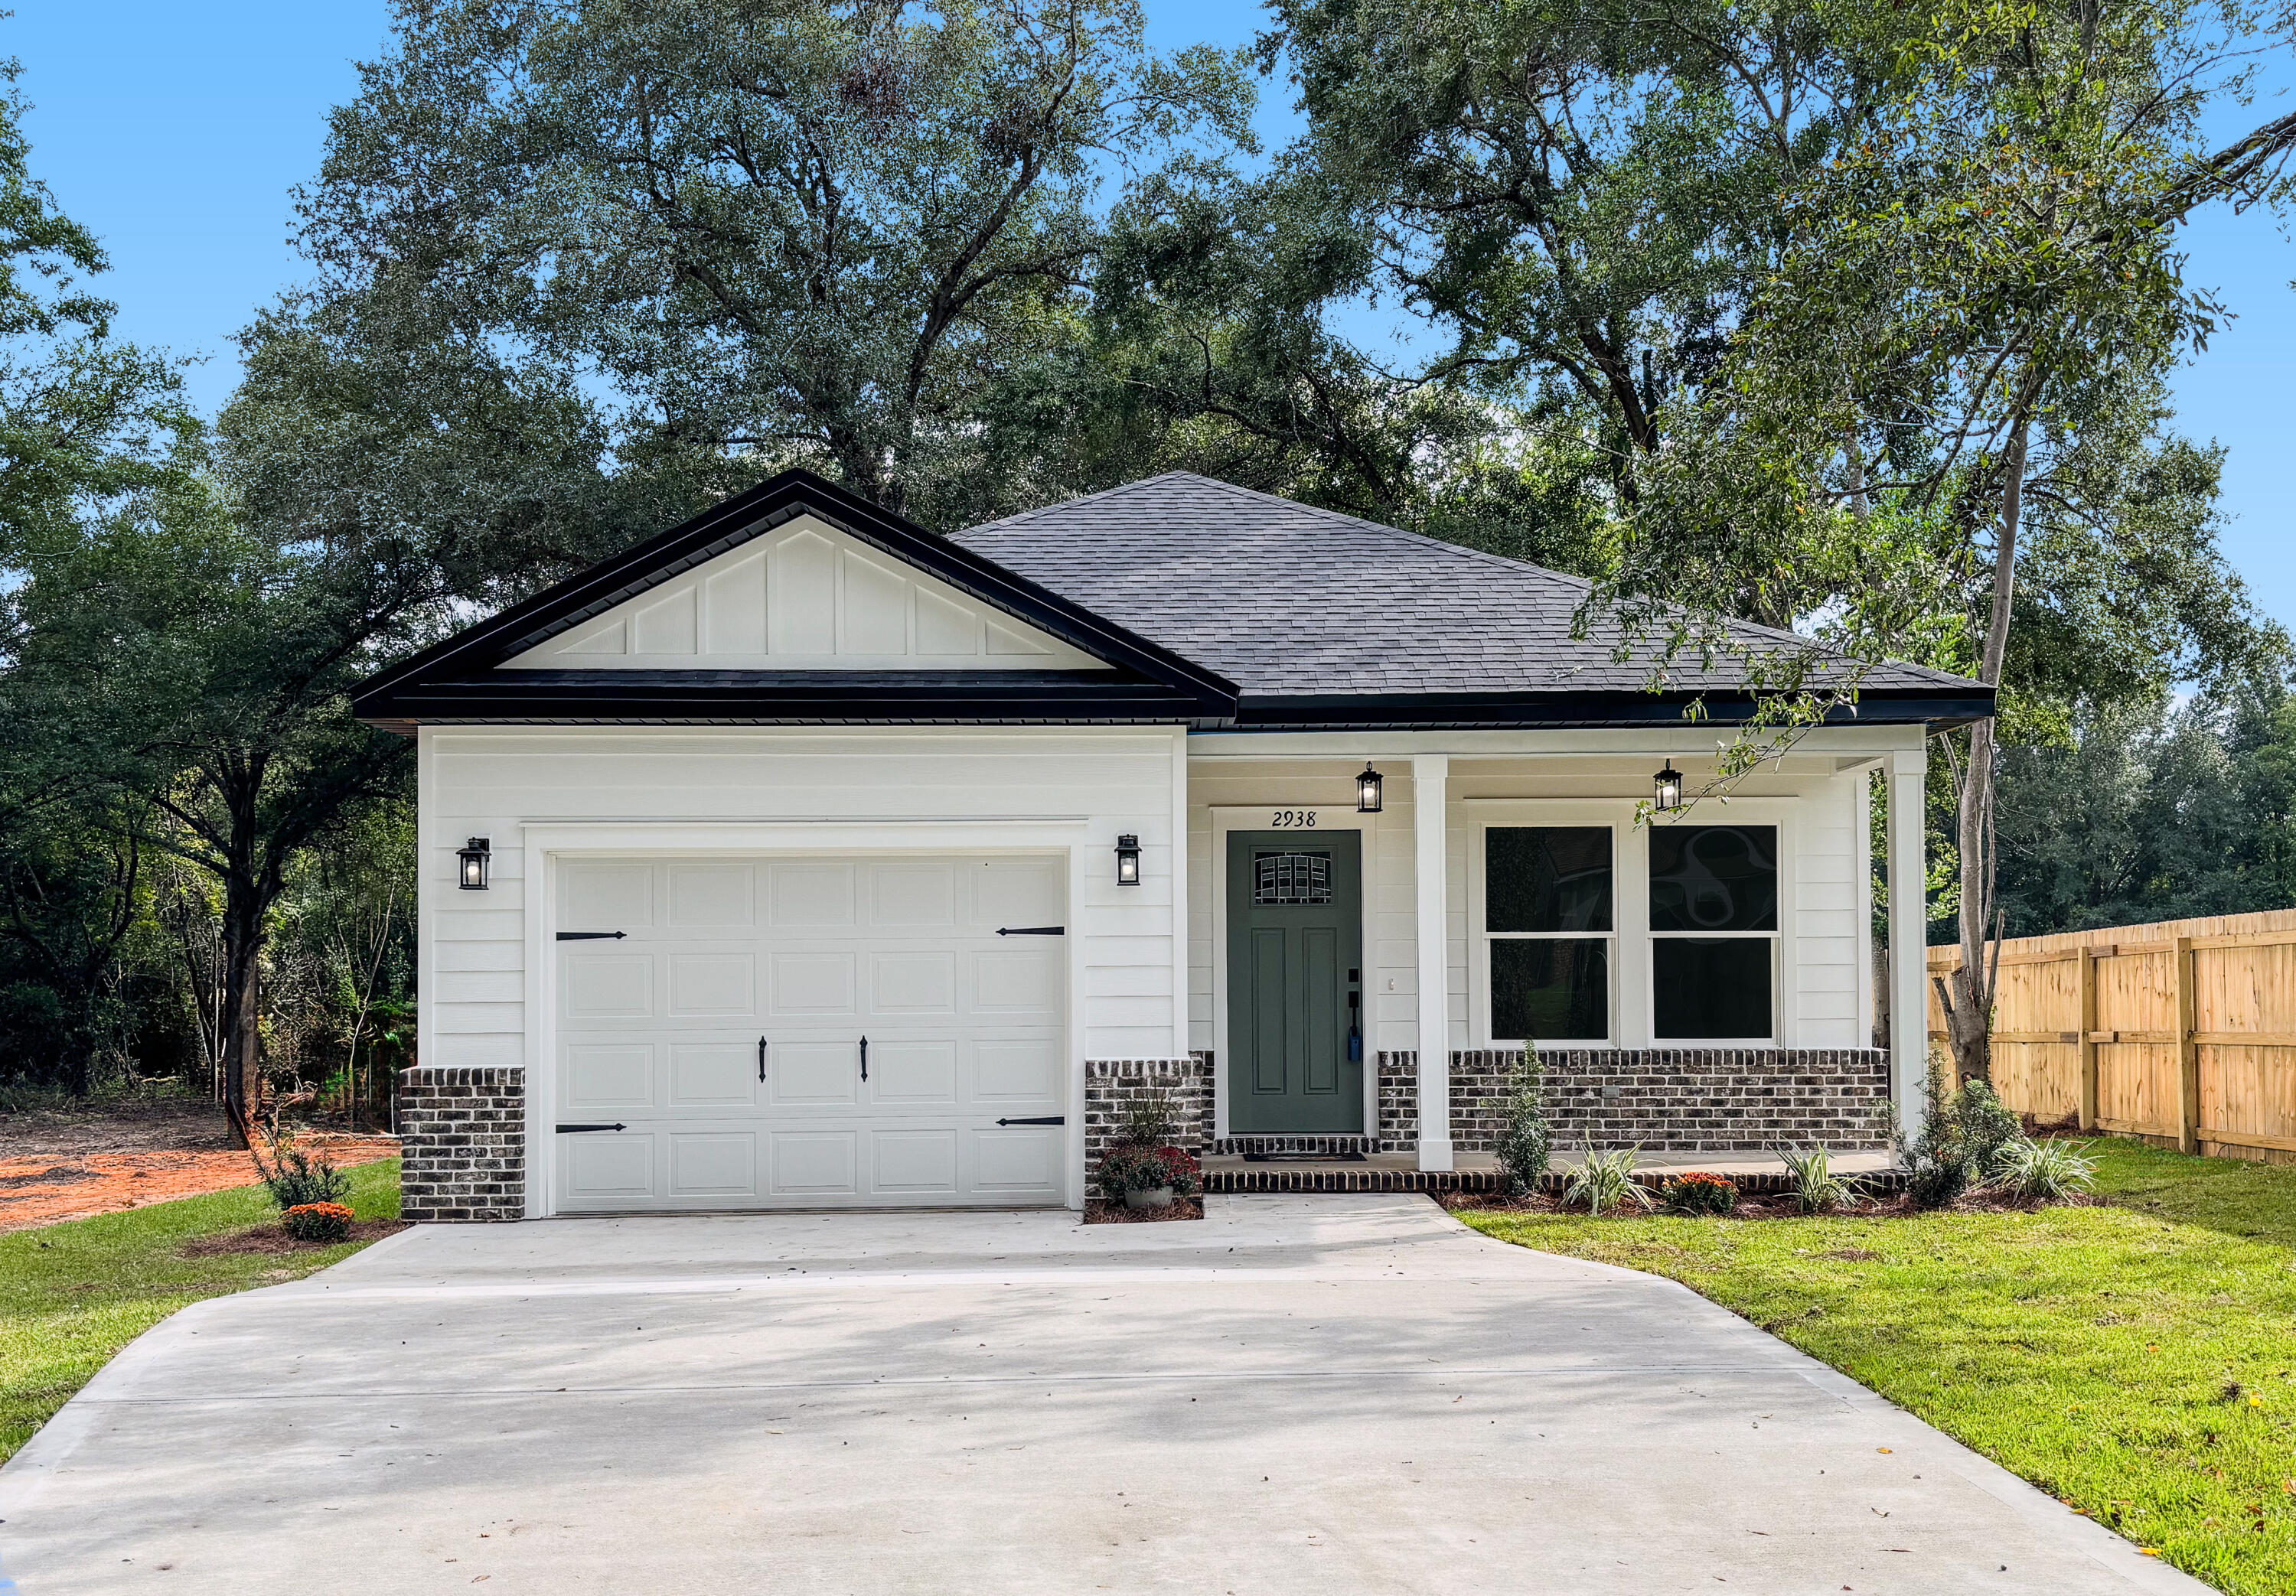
[
  {"x": 1110, "y": 1084},
  {"x": 462, "y": 1136},
  {"x": 1665, "y": 1100}
]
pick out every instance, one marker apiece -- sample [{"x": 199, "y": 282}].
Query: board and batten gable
[
  {"x": 705, "y": 789},
  {"x": 803, "y": 596}
]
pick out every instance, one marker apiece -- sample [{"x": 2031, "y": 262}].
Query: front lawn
[
  {"x": 72, "y": 1295},
  {"x": 2136, "y": 1360}
]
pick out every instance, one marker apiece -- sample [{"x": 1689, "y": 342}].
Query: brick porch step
[{"x": 1229, "y": 1182}]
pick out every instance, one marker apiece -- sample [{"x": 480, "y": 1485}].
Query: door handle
[
  {"x": 864, "y": 1058},
  {"x": 761, "y": 1058}
]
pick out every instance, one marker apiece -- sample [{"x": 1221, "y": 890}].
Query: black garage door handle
[
  {"x": 568, "y": 1129},
  {"x": 1040, "y": 1119}
]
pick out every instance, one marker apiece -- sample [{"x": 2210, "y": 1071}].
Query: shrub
[
  {"x": 1524, "y": 1141},
  {"x": 1817, "y": 1189},
  {"x": 1985, "y": 1127},
  {"x": 316, "y": 1222},
  {"x": 1699, "y": 1192},
  {"x": 1940, "y": 1183},
  {"x": 1151, "y": 1120},
  {"x": 1963, "y": 1135},
  {"x": 1126, "y": 1168},
  {"x": 2050, "y": 1171},
  {"x": 296, "y": 1180},
  {"x": 1605, "y": 1181}
]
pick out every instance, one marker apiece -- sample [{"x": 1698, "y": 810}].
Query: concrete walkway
[{"x": 1328, "y": 1394}]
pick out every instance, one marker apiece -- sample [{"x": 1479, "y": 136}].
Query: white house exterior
[{"x": 802, "y": 881}]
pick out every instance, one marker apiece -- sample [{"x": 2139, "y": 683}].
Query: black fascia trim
[
  {"x": 811, "y": 698},
  {"x": 749, "y": 515},
  {"x": 1460, "y": 710}
]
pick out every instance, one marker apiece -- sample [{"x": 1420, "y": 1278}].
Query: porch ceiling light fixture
[
  {"x": 1127, "y": 860},
  {"x": 1371, "y": 790},
  {"x": 1667, "y": 788},
  {"x": 471, "y": 864}
]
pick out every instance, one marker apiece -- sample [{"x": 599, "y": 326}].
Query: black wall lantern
[
  {"x": 1667, "y": 788},
  {"x": 1127, "y": 860},
  {"x": 472, "y": 861},
  {"x": 1371, "y": 790}
]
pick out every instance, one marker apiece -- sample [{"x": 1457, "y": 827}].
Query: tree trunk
[
  {"x": 1968, "y": 1013},
  {"x": 242, "y": 1052}
]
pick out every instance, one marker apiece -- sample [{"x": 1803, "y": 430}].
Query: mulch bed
[
  {"x": 1100, "y": 1211},
  {"x": 270, "y": 1237},
  {"x": 1898, "y": 1205}
]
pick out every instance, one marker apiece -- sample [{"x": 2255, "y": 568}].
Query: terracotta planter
[{"x": 1160, "y": 1198}]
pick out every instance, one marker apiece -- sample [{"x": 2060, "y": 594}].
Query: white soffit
[{"x": 804, "y": 596}]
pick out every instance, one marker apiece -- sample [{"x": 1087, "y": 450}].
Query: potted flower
[{"x": 1148, "y": 1177}]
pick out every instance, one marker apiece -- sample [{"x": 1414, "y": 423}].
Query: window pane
[
  {"x": 1714, "y": 879},
  {"x": 1712, "y": 988},
  {"x": 1557, "y": 991},
  {"x": 1546, "y": 879}
]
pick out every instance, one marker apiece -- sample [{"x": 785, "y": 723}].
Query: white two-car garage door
[{"x": 808, "y": 1032}]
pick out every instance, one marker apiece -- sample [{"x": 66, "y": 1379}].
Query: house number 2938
[{"x": 1287, "y": 819}]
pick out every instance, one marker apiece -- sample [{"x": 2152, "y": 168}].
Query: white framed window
[
  {"x": 1546, "y": 942},
  {"x": 1714, "y": 918}
]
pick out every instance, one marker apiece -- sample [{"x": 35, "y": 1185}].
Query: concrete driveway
[{"x": 1315, "y": 1393}]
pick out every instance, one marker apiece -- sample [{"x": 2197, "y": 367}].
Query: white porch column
[
  {"x": 1909, "y": 1009},
  {"x": 1430, "y": 773}
]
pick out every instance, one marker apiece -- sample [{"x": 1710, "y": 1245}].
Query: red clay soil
[{"x": 69, "y": 1166}]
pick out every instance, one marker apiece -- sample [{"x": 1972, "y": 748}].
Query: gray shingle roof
[{"x": 1285, "y": 600}]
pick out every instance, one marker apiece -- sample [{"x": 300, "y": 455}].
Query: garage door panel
[
  {"x": 1018, "y": 892},
  {"x": 913, "y": 1073},
  {"x": 712, "y": 896},
  {"x": 1019, "y": 1161},
  {"x": 909, "y": 898},
  {"x": 1016, "y": 1071},
  {"x": 812, "y": 897},
  {"x": 904, "y": 983},
  {"x": 610, "y": 1075},
  {"x": 707, "y": 1164},
  {"x": 601, "y": 986},
  {"x": 921, "y": 1163},
  {"x": 1017, "y": 981},
  {"x": 712, "y": 985},
  {"x": 660, "y": 1033},
  {"x": 809, "y": 1074},
  {"x": 606, "y": 897},
  {"x": 607, "y": 1167},
  {"x": 815, "y": 1164},
  {"x": 712, "y": 1074}
]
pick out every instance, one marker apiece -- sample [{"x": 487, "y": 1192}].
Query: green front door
[{"x": 1295, "y": 983}]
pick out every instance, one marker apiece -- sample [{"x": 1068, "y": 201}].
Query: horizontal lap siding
[{"x": 491, "y": 783}]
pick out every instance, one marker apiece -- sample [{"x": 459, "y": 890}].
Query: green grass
[
  {"x": 72, "y": 1295},
  {"x": 2136, "y": 1360}
]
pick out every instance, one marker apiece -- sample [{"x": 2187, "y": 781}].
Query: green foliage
[
  {"x": 1605, "y": 1180},
  {"x": 297, "y": 1178},
  {"x": 1525, "y": 1141},
  {"x": 2049, "y": 1170},
  {"x": 1132, "y": 1166},
  {"x": 1699, "y": 1193},
  {"x": 1817, "y": 1188},
  {"x": 1964, "y": 1135}
]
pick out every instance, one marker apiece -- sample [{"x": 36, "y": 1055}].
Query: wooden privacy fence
[{"x": 2183, "y": 1031}]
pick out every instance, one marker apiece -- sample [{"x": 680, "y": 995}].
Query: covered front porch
[{"x": 1699, "y": 982}]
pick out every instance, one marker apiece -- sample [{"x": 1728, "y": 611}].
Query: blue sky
[{"x": 176, "y": 132}]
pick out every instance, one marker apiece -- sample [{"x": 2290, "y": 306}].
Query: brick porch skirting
[
  {"x": 1110, "y": 1085},
  {"x": 1665, "y": 1099},
  {"x": 462, "y": 1134}
]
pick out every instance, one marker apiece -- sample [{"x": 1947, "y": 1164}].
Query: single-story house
[{"x": 801, "y": 858}]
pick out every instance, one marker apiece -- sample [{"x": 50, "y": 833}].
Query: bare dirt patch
[
  {"x": 68, "y": 1163},
  {"x": 271, "y": 1239}
]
